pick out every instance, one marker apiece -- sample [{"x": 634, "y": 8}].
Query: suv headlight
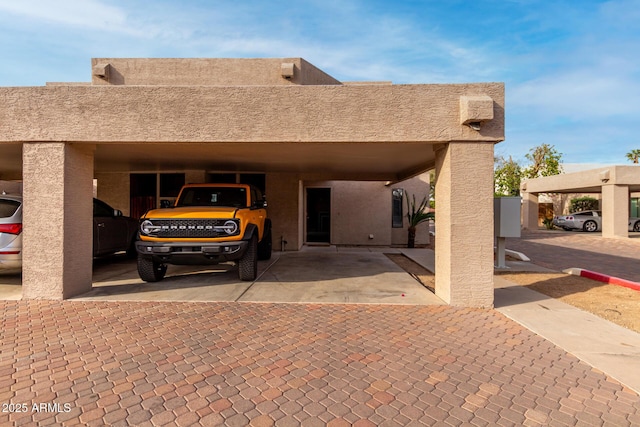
[
  {"x": 230, "y": 227},
  {"x": 147, "y": 227}
]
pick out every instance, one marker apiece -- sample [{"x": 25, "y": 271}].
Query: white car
[{"x": 588, "y": 221}]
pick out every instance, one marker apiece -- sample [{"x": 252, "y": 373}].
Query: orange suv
[{"x": 209, "y": 224}]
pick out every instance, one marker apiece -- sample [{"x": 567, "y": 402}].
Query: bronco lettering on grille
[{"x": 190, "y": 228}]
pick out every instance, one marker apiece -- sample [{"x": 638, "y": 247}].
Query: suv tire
[
  {"x": 151, "y": 271},
  {"x": 248, "y": 264}
]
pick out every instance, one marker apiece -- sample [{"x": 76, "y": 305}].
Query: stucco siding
[
  {"x": 113, "y": 189},
  {"x": 360, "y": 209},
  {"x": 464, "y": 234},
  {"x": 57, "y": 217},
  {"x": 296, "y": 114},
  {"x": 283, "y": 207},
  {"x": 207, "y": 71}
]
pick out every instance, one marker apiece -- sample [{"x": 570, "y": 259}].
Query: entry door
[{"x": 319, "y": 215}]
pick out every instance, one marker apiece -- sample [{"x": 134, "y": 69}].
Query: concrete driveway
[
  {"x": 313, "y": 275},
  {"x": 10, "y": 286},
  {"x": 559, "y": 250}
]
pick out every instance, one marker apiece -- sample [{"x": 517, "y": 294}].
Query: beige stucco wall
[
  {"x": 282, "y": 191},
  {"x": 263, "y": 114},
  {"x": 464, "y": 235},
  {"x": 57, "y": 217},
  {"x": 207, "y": 71},
  {"x": 358, "y": 209},
  {"x": 615, "y": 211},
  {"x": 113, "y": 188},
  {"x": 584, "y": 181}
]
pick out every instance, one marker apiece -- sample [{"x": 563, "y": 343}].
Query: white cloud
[{"x": 85, "y": 13}]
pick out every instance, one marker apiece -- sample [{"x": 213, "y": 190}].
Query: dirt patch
[{"x": 615, "y": 303}]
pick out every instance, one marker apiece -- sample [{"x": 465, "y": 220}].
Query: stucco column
[
  {"x": 615, "y": 211},
  {"x": 57, "y": 218},
  {"x": 529, "y": 210},
  {"x": 284, "y": 192},
  {"x": 464, "y": 224}
]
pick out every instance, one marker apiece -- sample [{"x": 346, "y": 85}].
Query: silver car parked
[
  {"x": 10, "y": 232},
  {"x": 588, "y": 221},
  {"x": 112, "y": 232}
]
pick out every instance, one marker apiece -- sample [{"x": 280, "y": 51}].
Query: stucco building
[
  {"x": 143, "y": 126},
  {"x": 612, "y": 185}
]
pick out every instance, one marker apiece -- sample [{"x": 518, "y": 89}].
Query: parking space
[
  {"x": 313, "y": 275},
  {"x": 334, "y": 275}
]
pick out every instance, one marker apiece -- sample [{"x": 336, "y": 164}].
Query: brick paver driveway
[
  {"x": 151, "y": 363},
  {"x": 559, "y": 250}
]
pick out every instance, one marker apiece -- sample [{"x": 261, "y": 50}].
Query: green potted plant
[{"x": 417, "y": 213}]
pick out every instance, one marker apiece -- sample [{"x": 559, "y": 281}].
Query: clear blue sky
[{"x": 571, "y": 68}]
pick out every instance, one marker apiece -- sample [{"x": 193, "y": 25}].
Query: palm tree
[
  {"x": 633, "y": 155},
  {"x": 416, "y": 215}
]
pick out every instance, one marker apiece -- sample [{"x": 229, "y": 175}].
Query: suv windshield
[{"x": 212, "y": 196}]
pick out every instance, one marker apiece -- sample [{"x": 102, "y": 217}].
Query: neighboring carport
[
  {"x": 615, "y": 183},
  {"x": 68, "y": 134}
]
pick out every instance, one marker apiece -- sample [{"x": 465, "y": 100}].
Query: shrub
[{"x": 584, "y": 204}]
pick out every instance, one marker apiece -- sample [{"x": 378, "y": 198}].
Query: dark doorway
[
  {"x": 318, "y": 215},
  {"x": 143, "y": 193}
]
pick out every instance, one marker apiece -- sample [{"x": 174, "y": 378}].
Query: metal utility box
[
  {"x": 506, "y": 216},
  {"x": 506, "y": 223}
]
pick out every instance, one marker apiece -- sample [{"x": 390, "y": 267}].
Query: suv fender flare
[{"x": 250, "y": 231}]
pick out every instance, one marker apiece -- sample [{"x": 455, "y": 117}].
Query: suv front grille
[{"x": 191, "y": 228}]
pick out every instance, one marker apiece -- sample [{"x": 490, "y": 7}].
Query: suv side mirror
[{"x": 117, "y": 212}]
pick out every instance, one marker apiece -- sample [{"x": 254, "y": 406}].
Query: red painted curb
[{"x": 609, "y": 279}]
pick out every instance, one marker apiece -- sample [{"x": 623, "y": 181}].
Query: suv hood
[{"x": 192, "y": 212}]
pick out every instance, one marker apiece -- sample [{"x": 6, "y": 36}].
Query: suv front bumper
[{"x": 192, "y": 253}]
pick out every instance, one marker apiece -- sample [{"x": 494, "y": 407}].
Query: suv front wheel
[
  {"x": 149, "y": 270},
  {"x": 248, "y": 264}
]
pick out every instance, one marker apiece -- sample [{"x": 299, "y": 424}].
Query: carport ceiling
[{"x": 383, "y": 161}]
